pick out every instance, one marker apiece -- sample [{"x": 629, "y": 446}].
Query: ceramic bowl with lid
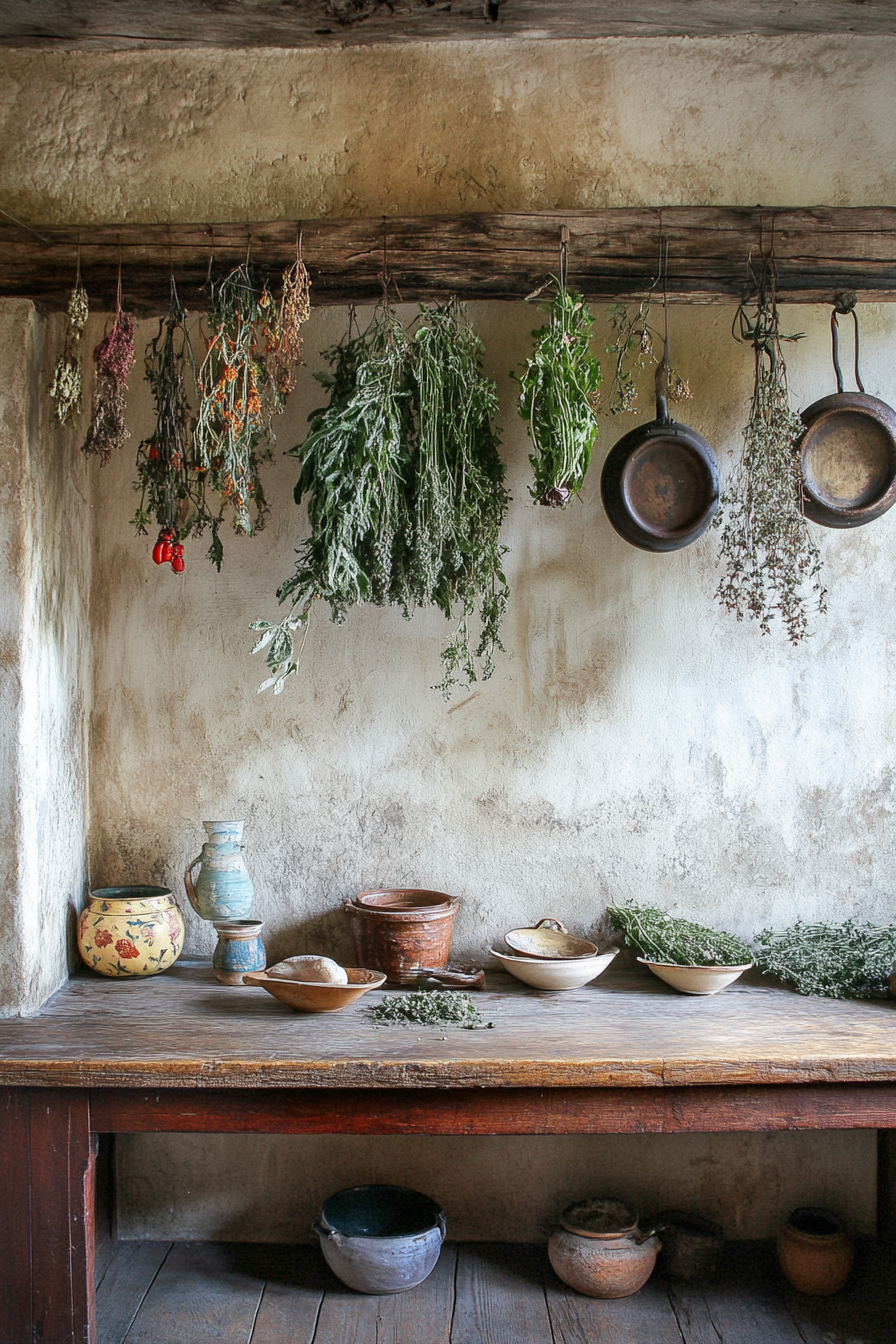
[
  {"x": 548, "y": 939},
  {"x": 599, "y": 1249}
]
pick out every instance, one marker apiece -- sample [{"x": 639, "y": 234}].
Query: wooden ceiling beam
[
  {"x": 613, "y": 255},
  {"x": 99, "y": 25}
]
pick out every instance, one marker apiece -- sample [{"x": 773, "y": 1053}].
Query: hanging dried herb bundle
[
  {"x": 113, "y": 360},
  {"x": 836, "y": 961},
  {"x": 405, "y": 491},
  {"x": 664, "y": 938},
  {"x": 632, "y": 344},
  {"x": 772, "y": 564},
  {"x": 559, "y": 396},
  {"x": 67, "y": 385},
  {"x": 171, "y": 484},
  {"x": 238, "y": 396},
  {"x": 284, "y": 351}
]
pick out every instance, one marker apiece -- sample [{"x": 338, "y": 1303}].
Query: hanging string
[{"x": 564, "y": 256}]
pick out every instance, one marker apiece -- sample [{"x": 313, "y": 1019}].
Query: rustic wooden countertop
[{"x": 627, "y": 1029}]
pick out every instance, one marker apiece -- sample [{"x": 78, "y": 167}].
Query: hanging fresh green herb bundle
[
  {"x": 772, "y": 564},
  {"x": 664, "y": 938},
  {"x": 67, "y": 385},
  {"x": 836, "y": 961},
  {"x": 405, "y": 491},
  {"x": 171, "y": 485},
  {"x": 453, "y": 557},
  {"x": 113, "y": 360},
  {"x": 559, "y": 396},
  {"x": 238, "y": 396}
]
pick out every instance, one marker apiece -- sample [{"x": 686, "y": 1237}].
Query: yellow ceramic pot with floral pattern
[{"x": 130, "y": 931}]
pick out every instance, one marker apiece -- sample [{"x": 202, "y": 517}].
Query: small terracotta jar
[
  {"x": 599, "y": 1249},
  {"x": 239, "y": 949},
  {"x": 814, "y": 1252}
]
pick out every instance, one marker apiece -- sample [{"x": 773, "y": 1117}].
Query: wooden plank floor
[{"x": 479, "y": 1293}]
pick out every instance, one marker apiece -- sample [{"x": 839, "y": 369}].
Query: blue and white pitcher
[{"x": 223, "y": 889}]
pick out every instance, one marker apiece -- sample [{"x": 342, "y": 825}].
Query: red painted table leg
[{"x": 47, "y": 1172}]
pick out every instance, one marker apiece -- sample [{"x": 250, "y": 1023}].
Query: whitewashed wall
[{"x": 634, "y": 740}]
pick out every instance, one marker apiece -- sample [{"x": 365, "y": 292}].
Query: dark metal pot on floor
[{"x": 660, "y": 483}]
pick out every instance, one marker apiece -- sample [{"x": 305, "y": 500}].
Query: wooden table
[{"x": 182, "y": 1053}]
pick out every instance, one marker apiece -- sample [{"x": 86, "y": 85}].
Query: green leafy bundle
[
  {"x": 772, "y": 564},
  {"x": 835, "y": 961},
  {"x": 559, "y": 396},
  {"x": 664, "y": 938},
  {"x": 405, "y": 491}
]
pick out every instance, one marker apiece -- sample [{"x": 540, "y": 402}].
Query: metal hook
[
  {"x": 248, "y": 248},
  {"x": 564, "y": 255},
  {"x": 845, "y": 304}
]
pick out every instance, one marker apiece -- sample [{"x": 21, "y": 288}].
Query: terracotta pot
[
  {"x": 397, "y": 941},
  {"x": 692, "y": 1246},
  {"x": 814, "y": 1252},
  {"x": 599, "y": 1249}
]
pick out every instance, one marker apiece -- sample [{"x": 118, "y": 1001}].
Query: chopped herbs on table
[
  {"x": 430, "y": 1008},
  {"x": 772, "y": 564},
  {"x": 405, "y": 492},
  {"x": 835, "y": 961},
  {"x": 559, "y": 396},
  {"x": 661, "y": 937}
]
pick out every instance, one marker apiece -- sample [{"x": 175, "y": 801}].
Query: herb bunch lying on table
[
  {"x": 835, "y": 961},
  {"x": 430, "y": 1008},
  {"x": 661, "y": 937}
]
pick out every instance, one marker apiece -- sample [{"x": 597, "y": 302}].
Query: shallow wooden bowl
[
  {"x": 695, "y": 979},
  {"x": 317, "y": 997}
]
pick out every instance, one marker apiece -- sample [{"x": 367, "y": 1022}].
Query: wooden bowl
[
  {"x": 318, "y": 997},
  {"x": 550, "y": 940},
  {"x": 568, "y": 973},
  {"x": 695, "y": 979}
]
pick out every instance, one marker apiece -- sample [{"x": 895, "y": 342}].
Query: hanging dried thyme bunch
[
  {"x": 679, "y": 942},
  {"x": 405, "y": 491},
  {"x": 67, "y": 385},
  {"x": 632, "y": 344},
  {"x": 238, "y": 396},
  {"x": 836, "y": 961},
  {"x": 285, "y": 345},
  {"x": 171, "y": 484},
  {"x": 559, "y": 396},
  {"x": 772, "y": 564},
  {"x": 113, "y": 360}
]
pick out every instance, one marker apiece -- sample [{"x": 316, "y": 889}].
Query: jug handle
[
  {"x": 188, "y": 883},
  {"x": 323, "y": 1230}
]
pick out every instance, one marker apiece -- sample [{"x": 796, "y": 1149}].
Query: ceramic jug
[{"x": 223, "y": 889}]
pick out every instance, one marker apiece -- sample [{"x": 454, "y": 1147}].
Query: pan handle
[
  {"x": 845, "y": 304},
  {"x": 662, "y": 385}
]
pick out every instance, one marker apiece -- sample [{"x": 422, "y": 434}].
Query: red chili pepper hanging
[
  {"x": 163, "y": 550},
  {"x": 177, "y": 558}
]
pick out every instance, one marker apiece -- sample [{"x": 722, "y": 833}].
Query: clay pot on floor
[
  {"x": 381, "y": 1238},
  {"x": 814, "y": 1252},
  {"x": 692, "y": 1246},
  {"x": 600, "y": 1251}
]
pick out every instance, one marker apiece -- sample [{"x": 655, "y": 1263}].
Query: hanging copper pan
[
  {"x": 848, "y": 453},
  {"x": 660, "y": 483}
]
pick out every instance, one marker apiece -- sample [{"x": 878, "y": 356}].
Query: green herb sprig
[
  {"x": 430, "y": 1008},
  {"x": 559, "y": 396},
  {"x": 836, "y": 961},
  {"x": 661, "y": 937}
]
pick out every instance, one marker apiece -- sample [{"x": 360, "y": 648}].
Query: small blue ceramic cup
[{"x": 239, "y": 949}]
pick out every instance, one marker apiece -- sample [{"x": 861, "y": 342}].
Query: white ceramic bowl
[
  {"x": 568, "y": 973},
  {"x": 695, "y": 979}
]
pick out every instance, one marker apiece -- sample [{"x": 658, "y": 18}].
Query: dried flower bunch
[
  {"x": 285, "y": 347},
  {"x": 559, "y": 396},
  {"x": 171, "y": 484},
  {"x": 772, "y": 564},
  {"x": 238, "y": 395},
  {"x": 836, "y": 961},
  {"x": 67, "y": 385},
  {"x": 113, "y": 360},
  {"x": 661, "y": 937},
  {"x": 405, "y": 491}
]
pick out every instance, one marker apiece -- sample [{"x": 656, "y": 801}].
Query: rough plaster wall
[
  {"x": 195, "y": 135},
  {"x": 503, "y": 1189},
  {"x": 45, "y": 674},
  {"x": 635, "y": 740}
]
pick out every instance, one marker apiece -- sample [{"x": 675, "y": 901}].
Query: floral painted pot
[
  {"x": 130, "y": 931},
  {"x": 239, "y": 949}
]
